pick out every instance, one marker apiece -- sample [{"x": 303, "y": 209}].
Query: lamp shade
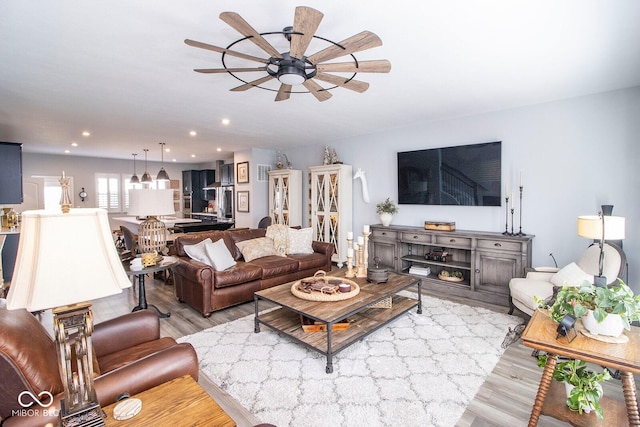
[
  {"x": 146, "y": 202},
  {"x": 590, "y": 226},
  {"x": 65, "y": 258}
]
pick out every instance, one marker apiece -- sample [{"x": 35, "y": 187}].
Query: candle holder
[
  {"x": 520, "y": 233},
  {"x": 366, "y": 235},
  {"x": 506, "y": 216},
  {"x": 511, "y": 234},
  {"x": 361, "y": 271},
  {"x": 349, "y": 273}
]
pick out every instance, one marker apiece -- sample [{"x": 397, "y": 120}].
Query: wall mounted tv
[
  {"x": 10, "y": 173},
  {"x": 466, "y": 175}
]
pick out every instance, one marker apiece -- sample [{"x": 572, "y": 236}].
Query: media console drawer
[
  {"x": 454, "y": 241},
  {"x": 416, "y": 238},
  {"x": 500, "y": 245},
  {"x": 384, "y": 234}
]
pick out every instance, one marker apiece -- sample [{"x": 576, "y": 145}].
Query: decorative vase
[
  {"x": 611, "y": 326},
  {"x": 385, "y": 218}
]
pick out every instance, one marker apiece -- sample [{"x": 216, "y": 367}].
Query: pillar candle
[
  {"x": 521, "y": 179},
  {"x": 350, "y": 252},
  {"x": 349, "y": 235},
  {"x": 360, "y": 240},
  {"x": 365, "y": 228}
]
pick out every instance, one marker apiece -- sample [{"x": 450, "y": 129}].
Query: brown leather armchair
[{"x": 130, "y": 356}]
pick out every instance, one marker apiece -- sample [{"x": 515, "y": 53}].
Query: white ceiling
[{"x": 120, "y": 69}]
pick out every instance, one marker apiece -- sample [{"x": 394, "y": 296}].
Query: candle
[
  {"x": 349, "y": 235},
  {"x": 355, "y": 246},
  {"x": 521, "y": 179},
  {"x": 350, "y": 252},
  {"x": 365, "y": 228},
  {"x": 506, "y": 190},
  {"x": 63, "y": 174},
  {"x": 360, "y": 240},
  {"x": 511, "y": 196}
]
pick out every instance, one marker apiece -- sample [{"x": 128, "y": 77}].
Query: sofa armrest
[
  {"x": 323, "y": 248},
  {"x": 148, "y": 372},
  {"x": 540, "y": 275},
  {"x": 194, "y": 269},
  {"x": 125, "y": 332}
]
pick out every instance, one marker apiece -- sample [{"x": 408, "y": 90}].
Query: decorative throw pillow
[
  {"x": 300, "y": 241},
  {"x": 256, "y": 248},
  {"x": 280, "y": 236},
  {"x": 572, "y": 275},
  {"x": 219, "y": 255},
  {"x": 198, "y": 252}
]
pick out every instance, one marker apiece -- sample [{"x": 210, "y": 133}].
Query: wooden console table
[
  {"x": 173, "y": 403},
  {"x": 541, "y": 334}
]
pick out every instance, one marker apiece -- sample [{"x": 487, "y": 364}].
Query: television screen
[{"x": 466, "y": 175}]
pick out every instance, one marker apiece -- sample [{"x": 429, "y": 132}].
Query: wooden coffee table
[
  {"x": 172, "y": 404},
  {"x": 363, "y": 319}
]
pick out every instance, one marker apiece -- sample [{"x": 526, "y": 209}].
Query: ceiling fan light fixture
[{"x": 290, "y": 75}]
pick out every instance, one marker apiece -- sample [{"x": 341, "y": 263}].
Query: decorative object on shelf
[
  {"x": 309, "y": 325},
  {"x": 295, "y": 67},
  {"x": 377, "y": 273},
  {"x": 584, "y": 387},
  {"x": 146, "y": 176},
  {"x": 152, "y": 233},
  {"x": 162, "y": 174},
  {"x": 440, "y": 255},
  {"x": 243, "y": 201},
  {"x": 134, "y": 178},
  {"x": 82, "y": 194},
  {"x": 350, "y": 252},
  {"x": 506, "y": 213},
  {"x": 361, "y": 270},
  {"x": 87, "y": 267},
  {"x": 451, "y": 276},
  {"x": 601, "y": 227},
  {"x": 12, "y": 220},
  {"x": 440, "y": 226},
  {"x": 521, "y": 187},
  {"x": 386, "y": 210},
  {"x": 363, "y": 179},
  {"x": 326, "y": 160},
  {"x": 334, "y": 158},
  {"x": 242, "y": 173}
]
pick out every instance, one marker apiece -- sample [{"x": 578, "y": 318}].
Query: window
[{"x": 108, "y": 192}]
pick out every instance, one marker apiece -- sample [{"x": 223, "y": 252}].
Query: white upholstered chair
[{"x": 540, "y": 282}]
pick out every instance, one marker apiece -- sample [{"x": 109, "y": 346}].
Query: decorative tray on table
[{"x": 321, "y": 287}]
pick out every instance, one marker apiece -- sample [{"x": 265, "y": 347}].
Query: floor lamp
[
  {"x": 65, "y": 260},
  {"x": 601, "y": 227}
]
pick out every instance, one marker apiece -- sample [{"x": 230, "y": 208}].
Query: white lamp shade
[
  {"x": 65, "y": 259},
  {"x": 590, "y": 226},
  {"x": 146, "y": 202}
]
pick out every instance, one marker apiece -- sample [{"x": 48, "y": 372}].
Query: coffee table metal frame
[{"x": 364, "y": 319}]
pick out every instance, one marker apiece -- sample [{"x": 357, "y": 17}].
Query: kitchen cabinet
[{"x": 226, "y": 174}]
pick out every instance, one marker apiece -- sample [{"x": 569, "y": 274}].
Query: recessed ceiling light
[
  {"x": 74, "y": 144},
  {"x": 218, "y": 149},
  {"x": 86, "y": 133},
  {"x": 67, "y": 151},
  {"x": 167, "y": 150},
  {"x": 193, "y": 133},
  {"x": 173, "y": 160},
  {"x": 193, "y": 155},
  {"x": 225, "y": 121}
]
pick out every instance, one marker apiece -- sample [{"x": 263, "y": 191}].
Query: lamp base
[
  {"x": 600, "y": 281},
  {"x": 89, "y": 416}
]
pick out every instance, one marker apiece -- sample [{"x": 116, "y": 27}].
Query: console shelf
[{"x": 486, "y": 260}]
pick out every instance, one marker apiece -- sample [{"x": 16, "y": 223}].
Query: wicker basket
[
  {"x": 320, "y": 296},
  {"x": 385, "y": 303}
]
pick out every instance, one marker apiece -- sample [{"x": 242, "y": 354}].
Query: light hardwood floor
[{"x": 505, "y": 399}]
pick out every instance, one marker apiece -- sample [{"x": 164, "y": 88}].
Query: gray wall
[{"x": 575, "y": 155}]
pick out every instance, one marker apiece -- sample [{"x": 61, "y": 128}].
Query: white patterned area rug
[{"x": 420, "y": 370}]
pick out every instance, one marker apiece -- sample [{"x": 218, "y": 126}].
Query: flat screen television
[
  {"x": 465, "y": 175},
  {"x": 10, "y": 173}
]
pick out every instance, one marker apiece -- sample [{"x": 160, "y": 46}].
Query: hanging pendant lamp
[
  {"x": 134, "y": 178},
  {"x": 146, "y": 177},
  {"x": 162, "y": 174}
]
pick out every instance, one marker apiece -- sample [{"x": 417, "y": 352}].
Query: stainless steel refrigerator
[{"x": 224, "y": 202}]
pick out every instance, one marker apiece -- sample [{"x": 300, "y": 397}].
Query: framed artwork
[
  {"x": 243, "y": 201},
  {"x": 242, "y": 173}
]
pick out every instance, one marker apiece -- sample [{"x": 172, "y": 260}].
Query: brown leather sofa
[
  {"x": 208, "y": 290},
  {"x": 131, "y": 357}
]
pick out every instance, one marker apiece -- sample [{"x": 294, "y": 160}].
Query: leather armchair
[
  {"x": 129, "y": 356},
  {"x": 540, "y": 282}
]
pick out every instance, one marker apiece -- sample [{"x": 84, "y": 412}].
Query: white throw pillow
[
  {"x": 256, "y": 248},
  {"x": 572, "y": 275},
  {"x": 198, "y": 252},
  {"x": 300, "y": 241},
  {"x": 219, "y": 255}
]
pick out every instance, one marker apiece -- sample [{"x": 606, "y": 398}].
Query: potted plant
[
  {"x": 598, "y": 307},
  {"x": 386, "y": 210},
  {"x": 584, "y": 387}
]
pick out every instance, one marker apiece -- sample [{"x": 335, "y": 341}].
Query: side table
[
  {"x": 166, "y": 263},
  {"x": 174, "y": 403},
  {"x": 541, "y": 334}
]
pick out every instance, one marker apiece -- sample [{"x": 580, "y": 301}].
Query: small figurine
[
  {"x": 334, "y": 157},
  {"x": 326, "y": 160}
]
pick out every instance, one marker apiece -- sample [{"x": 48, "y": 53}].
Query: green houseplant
[
  {"x": 599, "y": 302},
  {"x": 386, "y": 210},
  {"x": 585, "y": 385}
]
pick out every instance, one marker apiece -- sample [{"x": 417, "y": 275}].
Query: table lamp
[
  {"x": 65, "y": 260},
  {"x": 601, "y": 227},
  {"x": 152, "y": 233}
]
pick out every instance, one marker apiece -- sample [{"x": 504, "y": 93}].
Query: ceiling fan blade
[
  {"x": 361, "y": 41},
  {"x": 227, "y": 51},
  {"x": 306, "y": 22},
  {"x": 375, "y": 66},
  {"x": 284, "y": 92},
  {"x": 354, "y": 85},
  {"x": 316, "y": 90},
  {"x": 227, "y": 70},
  {"x": 251, "y": 84},
  {"x": 240, "y": 25}
]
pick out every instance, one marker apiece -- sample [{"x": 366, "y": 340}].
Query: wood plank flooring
[{"x": 505, "y": 399}]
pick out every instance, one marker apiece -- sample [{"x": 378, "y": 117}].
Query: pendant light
[
  {"x": 162, "y": 174},
  {"x": 146, "y": 178},
  {"x": 134, "y": 178}
]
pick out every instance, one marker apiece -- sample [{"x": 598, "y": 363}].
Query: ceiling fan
[{"x": 294, "y": 68}]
